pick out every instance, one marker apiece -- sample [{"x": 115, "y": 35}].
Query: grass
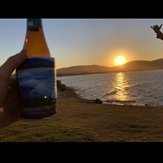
[{"x": 79, "y": 120}]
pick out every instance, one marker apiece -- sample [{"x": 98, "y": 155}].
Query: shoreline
[
  {"x": 110, "y": 123},
  {"x": 81, "y": 120},
  {"x": 70, "y": 92}
]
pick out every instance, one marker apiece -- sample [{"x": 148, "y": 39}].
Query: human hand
[
  {"x": 156, "y": 29},
  {"x": 9, "y": 96}
]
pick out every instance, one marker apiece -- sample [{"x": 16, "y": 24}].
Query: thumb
[{"x": 13, "y": 62}]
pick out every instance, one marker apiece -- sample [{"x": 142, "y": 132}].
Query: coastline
[
  {"x": 68, "y": 92},
  {"x": 80, "y": 120},
  {"x": 136, "y": 88},
  {"x": 114, "y": 123}
]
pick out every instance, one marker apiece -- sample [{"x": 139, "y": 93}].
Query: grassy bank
[{"x": 79, "y": 120}]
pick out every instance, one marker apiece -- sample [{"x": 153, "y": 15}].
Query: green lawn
[{"x": 84, "y": 121}]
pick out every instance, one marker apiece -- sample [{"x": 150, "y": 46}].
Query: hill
[
  {"x": 142, "y": 65},
  {"x": 137, "y": 65},
  {"x": 88, "y": 69}
]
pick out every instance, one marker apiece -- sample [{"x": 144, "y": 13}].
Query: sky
[{"x": 87, "y": 41}]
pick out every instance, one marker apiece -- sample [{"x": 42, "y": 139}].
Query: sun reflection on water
[{"x": 121, "y": 84}]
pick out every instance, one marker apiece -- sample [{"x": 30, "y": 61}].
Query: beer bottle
[{"x": 37, "y": 75}]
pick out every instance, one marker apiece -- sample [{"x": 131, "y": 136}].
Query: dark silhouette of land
[{"x": 138, "y": 65}]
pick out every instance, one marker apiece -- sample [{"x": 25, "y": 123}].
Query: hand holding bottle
[{"x": 9, "y": 99}]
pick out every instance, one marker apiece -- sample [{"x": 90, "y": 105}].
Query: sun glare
[{"x": 120, "y": 60}]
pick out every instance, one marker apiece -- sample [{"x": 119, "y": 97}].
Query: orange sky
[{"x": 87, "y": 41}]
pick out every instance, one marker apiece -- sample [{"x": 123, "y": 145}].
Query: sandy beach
[{"x": 79, "y": 120}]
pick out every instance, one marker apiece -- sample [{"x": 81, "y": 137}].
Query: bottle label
[
  {"x": 34, "y": 24},
  {"x": 37, "y": 86}
]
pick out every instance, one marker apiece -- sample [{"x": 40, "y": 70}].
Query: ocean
[{"x": 141, "y": 88}]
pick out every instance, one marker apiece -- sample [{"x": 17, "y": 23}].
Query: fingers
[
  {"x": 11, "y": 106},
  {"x": 156, "y": 27},
  {"x": 5, "y": 73},
  {"x": 13, "y": 62}
]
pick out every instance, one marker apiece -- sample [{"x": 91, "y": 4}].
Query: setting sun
[{"x": 120, "y": 60}]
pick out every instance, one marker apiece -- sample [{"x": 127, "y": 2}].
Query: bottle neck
[
  {"x": 34, "y": 24},
  {"x": 35, "y": 42}
]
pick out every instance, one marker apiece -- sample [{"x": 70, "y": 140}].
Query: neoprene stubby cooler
[{"x": 37, "y": 75}]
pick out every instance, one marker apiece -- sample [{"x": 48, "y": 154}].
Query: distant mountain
[
  {"x": 74, "y": 70},
  {"x": 138, "y": 65}
]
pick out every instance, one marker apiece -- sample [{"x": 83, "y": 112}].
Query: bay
[{"x": 123, "y": 88}]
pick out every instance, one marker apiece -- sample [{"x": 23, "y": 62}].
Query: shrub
[{"x": 98, "y": 101}]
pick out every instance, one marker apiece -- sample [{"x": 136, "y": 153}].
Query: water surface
[{"x": 123, "y": 88}]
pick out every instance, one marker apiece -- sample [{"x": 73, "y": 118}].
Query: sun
[{"x": 120, "y": 60}]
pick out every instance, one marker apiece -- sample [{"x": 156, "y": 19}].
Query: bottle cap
[{"x": 34, "y": 24}]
